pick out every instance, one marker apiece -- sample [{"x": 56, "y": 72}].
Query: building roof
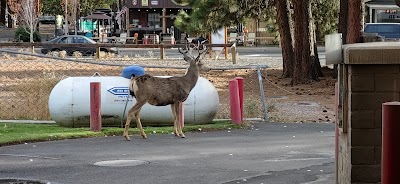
[
  {"x": 171, "y": 4},
  {"x": 380, "y": 2},
  {"x": 97, "y": 16}
]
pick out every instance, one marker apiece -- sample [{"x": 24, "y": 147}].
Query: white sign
[
  {"x": 218, "y": 38},
  {"x": 117, "y": 94},
  {"x": 154, "y": 2}
]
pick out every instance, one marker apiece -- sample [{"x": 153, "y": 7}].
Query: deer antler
[
  {"x": 202, "y": 48},
  {"x": 187, "y": 56}
]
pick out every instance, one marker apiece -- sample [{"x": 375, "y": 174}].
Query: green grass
[{"x": 17, "y": 133}]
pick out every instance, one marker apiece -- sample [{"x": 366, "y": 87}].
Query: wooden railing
[{"x": 119, "y": 45}]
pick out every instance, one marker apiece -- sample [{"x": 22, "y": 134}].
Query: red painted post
[
  {"x": 241, "y": 86},
  {"x": 336, "y": 130},
  {"x": 390, "y": 143},
  {"x": 181, "y": 115},
  {"x": 95, "y": 106},
  {"x": 235, "y": 102}
]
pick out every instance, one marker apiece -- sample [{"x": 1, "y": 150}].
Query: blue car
[{"x": 389, "y": 31}]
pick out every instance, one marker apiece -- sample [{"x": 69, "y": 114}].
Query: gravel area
[{"x": 289, "y": 108}]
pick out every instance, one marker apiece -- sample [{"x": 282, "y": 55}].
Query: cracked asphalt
[{"x": 276, "y": 153}]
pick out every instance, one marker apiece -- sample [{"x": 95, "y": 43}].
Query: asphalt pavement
[{"x": 273, "y": 153}]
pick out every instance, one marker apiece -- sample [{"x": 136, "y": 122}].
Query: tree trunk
[
  {"x": 302, "y": 65},
  {"x": 355, "y": 21},
  {"x": 3, "y": 11},
  {"x": 316, "y": 71},
  {"x": 31, "y": 36},
  {"x": 343, "y": 25},
  {"x": 285, "y": 37},
  {"x": 343, "y": 19}
]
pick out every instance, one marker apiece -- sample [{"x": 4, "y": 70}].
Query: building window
[{"x": 153, "y": 19}]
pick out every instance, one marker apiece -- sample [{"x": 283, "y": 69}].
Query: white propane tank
[{"x": 69, "y": 103}]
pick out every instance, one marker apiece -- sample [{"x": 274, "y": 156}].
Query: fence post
[
  {"x": 162, "y": 50},
  {"x": 264, "y": 102},
  {"x": 233, "y": 50},
  {"x": 98, "y": 53}
]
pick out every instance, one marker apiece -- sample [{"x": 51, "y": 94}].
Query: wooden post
[
  {"x": 127, "y": 22},
  {"x": 164, "y": 20},
  {"x": 98, "y": 53},
  {"x": 226, "y": 42},
  {"x": 233, "y": 51},
  {"x": 210, "y": 51},
  {"x": 162, "y": 52}
]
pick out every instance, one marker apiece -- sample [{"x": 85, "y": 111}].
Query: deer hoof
[
  {"x": 183, "y": 136},
  {"x": 144, "y": 136},
  {"x": 127, "y": 137}
]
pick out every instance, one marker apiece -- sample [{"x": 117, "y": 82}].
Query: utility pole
[
  {"x": 66, "y": 17},
  {"x": 75, "y": 12}
]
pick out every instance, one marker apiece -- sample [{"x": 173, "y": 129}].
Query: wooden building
[
  {"x": 152, "y": 17},
  {"x": 382, "y": 11}
]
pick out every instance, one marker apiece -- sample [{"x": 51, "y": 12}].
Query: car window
[
  {"x": 380, "y": 28},
  {"x": 66, "y": 40},
  {"x": 80, "y": 40}
]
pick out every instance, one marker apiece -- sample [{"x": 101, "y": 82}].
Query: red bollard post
[
  {"x": 235, "y": 102},
  {"x": 336, "y": 129},
  {"x": 181, "y": 115},
  {"x": 241, "y": 86},
  {"x": 95, "y": 106},
  {"x": 390, "y": 143}
]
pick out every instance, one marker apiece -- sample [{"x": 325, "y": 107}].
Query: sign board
[
  {"x": 145, "y": 2},
  {"x": 154, "y": 2},
  {"x": 116, "y": 94},
  {"x": 333, "y": 48},
  {"x": 218, "y": 38}
]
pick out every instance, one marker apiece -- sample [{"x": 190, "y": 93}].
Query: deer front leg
[
  {"x": 178, "y": 114},
  {"x": 139, "y": 124}
]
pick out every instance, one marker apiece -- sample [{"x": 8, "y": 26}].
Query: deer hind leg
[
  {"x": 174, "y": 115},
  {"x": 135, "y": 109},
  {"x": 178, "y": 124}
]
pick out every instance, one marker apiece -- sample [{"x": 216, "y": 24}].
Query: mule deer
[{"x": 159, "y": 91}]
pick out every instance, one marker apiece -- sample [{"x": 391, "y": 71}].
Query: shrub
[{"x": 22, "y": 35}]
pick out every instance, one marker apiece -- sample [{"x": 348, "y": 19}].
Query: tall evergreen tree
[{"x": 285, "y": 37}]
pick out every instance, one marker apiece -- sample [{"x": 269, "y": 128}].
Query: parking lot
[{"x": 264, "y": 153}]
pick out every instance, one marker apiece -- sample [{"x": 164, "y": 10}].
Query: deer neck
[{"x": 192, "y": 74}]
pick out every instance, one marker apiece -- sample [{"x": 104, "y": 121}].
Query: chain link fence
[{"x": 27, "y": 78}]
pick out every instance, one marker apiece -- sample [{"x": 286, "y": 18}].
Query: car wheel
[{"x": 104, "y": 50}]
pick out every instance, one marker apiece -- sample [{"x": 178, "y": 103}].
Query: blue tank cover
[{"x": 128, "y": 71}]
